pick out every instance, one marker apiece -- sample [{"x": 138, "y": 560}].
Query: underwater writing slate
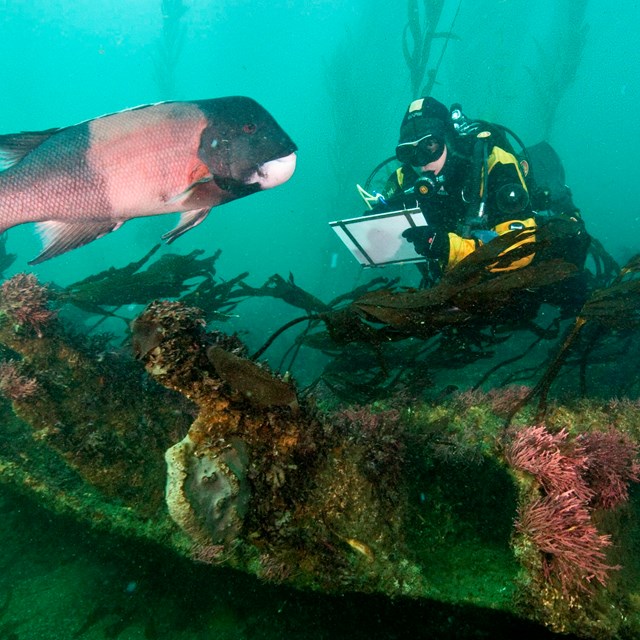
[{"x": 376, "y": 240}]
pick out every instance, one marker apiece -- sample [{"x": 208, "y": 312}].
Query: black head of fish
[{"x": 244, "y": 145}]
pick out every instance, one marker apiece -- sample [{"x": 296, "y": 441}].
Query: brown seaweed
[
  {"x": 288, "y": 291},
  {"x": 216, "y": 299},
  {"x": 462, "y": 316},
  {"x": 612, "y": 308},
  {"x": 421, "y": 31},
  {"x": 468, "y": 294},
  {"x": 167, "y": 277}
]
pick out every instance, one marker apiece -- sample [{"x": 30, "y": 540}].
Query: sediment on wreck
[
  {"x": 260, "y": 482},
  {"x": 91, "y": 413}
]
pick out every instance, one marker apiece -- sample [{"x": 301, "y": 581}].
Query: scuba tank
[{"x": 546, "y": 181}]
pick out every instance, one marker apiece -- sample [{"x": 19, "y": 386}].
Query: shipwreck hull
[{"x": 217, "y": 459}]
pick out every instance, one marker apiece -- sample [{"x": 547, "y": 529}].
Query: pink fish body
[{"x": 79, "y": 183}]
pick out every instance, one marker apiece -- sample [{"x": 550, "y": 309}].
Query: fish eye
[{"x": 249, "y": 128}]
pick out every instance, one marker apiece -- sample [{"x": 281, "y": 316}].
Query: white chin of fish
[{"x": 275, "y": 172}]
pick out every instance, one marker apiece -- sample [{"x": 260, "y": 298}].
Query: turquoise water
[
  {"x": 333, "y": 74},
  {"x": 274, "y": 52}
]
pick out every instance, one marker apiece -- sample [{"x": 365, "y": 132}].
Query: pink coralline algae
[
  {"x": 25, "y": 302},
  {"x": 273, "y": 570},
  {"x": 364, "y": 420},
  {"x": 612, "y": 465},
  {"x": 503, "y": 400},
  {"x": 500, "y": 400},
  {"x": 572, "y": 549},
  {"x": 596, "y": 466},
  {"x": 556, "y": 463},
  {"x": 208, "y": 553},
  {"x": 14, "y": 385},
  {"x": 575, "y": 476}
]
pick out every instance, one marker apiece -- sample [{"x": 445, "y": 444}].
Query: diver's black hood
[{"x": 425, "y": 116}]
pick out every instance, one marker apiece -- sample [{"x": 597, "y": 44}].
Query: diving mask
[{"x": 420, "y": 152}]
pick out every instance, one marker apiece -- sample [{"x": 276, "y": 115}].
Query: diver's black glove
[
  {"x": 428, "y": 242},
  {"x": 420, "y": 237}
]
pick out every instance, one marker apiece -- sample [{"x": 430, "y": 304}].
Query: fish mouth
[
  {"x": 237, "y": 188},
  {"x": 274, "y": 172}
]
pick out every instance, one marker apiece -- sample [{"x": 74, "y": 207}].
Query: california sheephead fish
[{"x": 81, "y": 182}]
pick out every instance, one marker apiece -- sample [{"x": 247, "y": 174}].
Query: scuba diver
[{"x": 472, "y": 186}]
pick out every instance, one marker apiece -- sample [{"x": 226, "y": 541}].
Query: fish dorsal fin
[
  {"x": 60, "y": 237},
  {"x": 15, "y": 146},
  {"x": 188, "y": 220}
]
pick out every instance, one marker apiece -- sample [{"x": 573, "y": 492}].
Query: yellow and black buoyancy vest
[{"x": 460, "y": 247}]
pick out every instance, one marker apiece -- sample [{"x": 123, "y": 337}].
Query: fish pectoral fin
[
  {"x": 188, "y": 220},
  {"x": 59, "y": 237},
  {"x": 197, "y": 176},
  {"x": 200, "y": 173}
]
